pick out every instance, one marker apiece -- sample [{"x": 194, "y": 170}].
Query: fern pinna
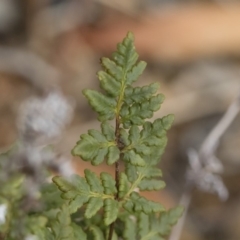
[{"x": 133, "y": 141}]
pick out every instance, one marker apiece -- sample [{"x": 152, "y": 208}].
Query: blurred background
[{"x": 193, "y": 50}]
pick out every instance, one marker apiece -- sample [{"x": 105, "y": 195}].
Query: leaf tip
[
  {"x": 168, "y": 121},
  {"x": 130, "y": 35}
]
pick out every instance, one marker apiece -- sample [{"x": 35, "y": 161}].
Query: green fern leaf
[
  {"x": 109, "y": 83},
  {"x": 137, "y": 112},
  {"x": 77, "y": 202},
  {"x": 167, "y": 121},
  {"x": 112, "y": 68},
  {"x": 79, "y": 234},
  {"x": 61, "y": 228},
  {"x": 134, "y": 173},
  {"x": 48, "y": 234},
  {"x": 96, "y": 146},
  {"x": 168, "y": 219},
  {"x": 134, "y": 134},
  {"x": 35, "y": 226},
  {"x": 126, "y": 55},
  {"x": 89, "y": 149},
  {"x": 113, "y": 155},
  {"x": 12, "y": 189},
  {"x": 123, "y": 185},
  {"x": 139, "y": 145},
  {"x": 151, "y": 184},
  {"x": 93, "y": 181},
  {"x": 72, "y": 191},
  {"x": 143, "y": 224},
  {"x": 151, "y": 226},
  {"x": 133, "y": 158},
  {"x": 130, "y": 231},
  {"x": 137, "y": 70},
  {"x": 111, "y": 207},
  {"x": 109, "y": 184},
  {"x": 140, "y": 94},
  {"x": 124, "y": 137},
  {"x": 152, "y": 172},
  {"x": 102, "y": 104},
  {"x": 108, "y": 131},
  {"x": 93, "y": 206},
  {"x": 51, "y": 197},
  {"x": 97, "y": 233},
  {"x": 136, "y": 203},
  {"x": 144, "y": 177},
  {"x": 152, "y": 134},
  {"x": 131, "y": 172},
  {"x": 139, "y": 148},
  {"x": 92, "y": 192}
]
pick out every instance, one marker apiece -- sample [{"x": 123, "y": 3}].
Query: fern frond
[
  {"x": 151, "y": 227},
  {"x": 50, "y": 195},
  {"x": 137, "y": 112},
  {"x": 130, "y": 230},
  {"x": 135, "y": 159},
  {"x": 139, "y": 145},
  {"x": 35, "y": 226},
  {"x": 12, "y": 189},
  {"x": 168, "y": 219},
  {"x": 136, "y": 71},
  {"x": 124, "y": 185},
  {"x": 126, "y": 56},
  {"x": 102, "y": 104},
  {"x": 78, "y": 232},
  {"x": 139, "y": 94},
  {"x": 147, "y": 177},
  {"x": 145, "y": 148},
  {"x": 96, "y": 146},
  {"x": 151, "y": 184},
  {"x": 61, "y": 228},
  {"x": 92, "y": 191},
  {"x": 97, "y": 233},
  {"x": 116, "y": 75},
  {"x": 137, "y": 203},
  {"x": 109, "y": 83}
]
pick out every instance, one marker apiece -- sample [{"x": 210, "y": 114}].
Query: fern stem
[
  {"x": 117, "y": 136},
  {"x": 111, "y": 231}
]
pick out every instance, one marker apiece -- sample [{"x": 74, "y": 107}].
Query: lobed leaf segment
[
  {"x": 63, "y": 229},
  {"x": 134, "y": 141},
  {"x": 151, "y": 227}
]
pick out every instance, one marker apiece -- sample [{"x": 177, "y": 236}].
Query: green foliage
[
  {"x": 102, "y": 104},
  {"x": 134, "y": 141},
  {"x": 93, "y": 191},
  {"x": 11, "y": 193},
  {"x": 96, "y": 146},
  {"x": 136, "y": 203},
  {"x": 102, "y": 207},
  {"x": 61, "y": 228},
  {"x": 151, "y": 227}
]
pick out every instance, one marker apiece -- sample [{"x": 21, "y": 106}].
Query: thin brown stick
[{"x": 111, "y": 231}]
